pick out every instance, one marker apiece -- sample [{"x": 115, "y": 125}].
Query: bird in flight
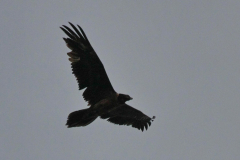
[{"x": 103, "y": 100}]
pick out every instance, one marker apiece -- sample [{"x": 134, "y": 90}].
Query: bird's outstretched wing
[
  {"x": 86, "y": 66},
  {"x": 127, "y": 115}
]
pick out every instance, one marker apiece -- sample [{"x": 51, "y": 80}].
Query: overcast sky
[{"x": 179, "y": 60}]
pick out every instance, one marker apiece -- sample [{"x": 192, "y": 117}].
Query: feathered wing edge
[
  {"x": 76, "y": 35},
  {"x": 127, "y": 115},
  {"x": 81, "y": 47},
  {"x": 86, "y": 65}
]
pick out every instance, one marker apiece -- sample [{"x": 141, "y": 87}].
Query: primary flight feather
[{"x": 103, "y": 100}]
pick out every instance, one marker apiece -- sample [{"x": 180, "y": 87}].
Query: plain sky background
[{"x": 179, "y": 60}]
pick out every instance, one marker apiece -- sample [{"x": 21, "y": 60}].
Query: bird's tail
[{"x": 81, "y": 118}]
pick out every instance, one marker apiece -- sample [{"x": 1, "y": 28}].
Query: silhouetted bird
[{"x": 103, "y": 100}]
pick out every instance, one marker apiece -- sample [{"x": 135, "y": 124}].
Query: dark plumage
[{"x": 99, "y": 93}]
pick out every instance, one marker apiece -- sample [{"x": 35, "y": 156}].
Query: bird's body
[{"x": 103, "y": 100}]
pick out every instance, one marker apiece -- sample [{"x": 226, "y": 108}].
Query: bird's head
[{"x": 122, "y": 98}]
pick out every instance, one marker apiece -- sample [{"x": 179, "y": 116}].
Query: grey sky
[{"x": 179, "y": 60}]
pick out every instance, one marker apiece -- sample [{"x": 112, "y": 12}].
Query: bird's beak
[{"x": 131, "y": 98}]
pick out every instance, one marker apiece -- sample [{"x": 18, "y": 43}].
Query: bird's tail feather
[{"x": 80, "y": 118}]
